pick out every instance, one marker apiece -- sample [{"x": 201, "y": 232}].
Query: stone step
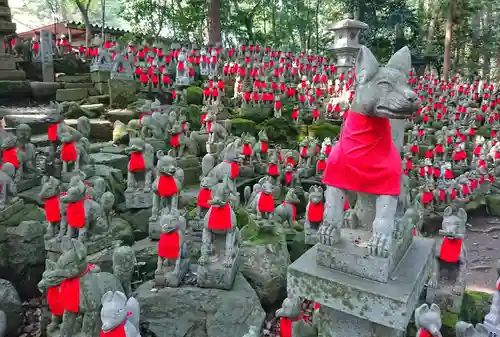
[
  {"x": 100, "y": 129},
  {"x": 82, "y": 78},
  {"x": 75, "y": 94}
]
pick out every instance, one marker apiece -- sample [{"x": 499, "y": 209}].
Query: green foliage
[
  {"x": 323, "y": 130},
  {"x": 241, "y": 125},
  {"x": 280, "y": 130},
  {"x": 194, "y": 95}
]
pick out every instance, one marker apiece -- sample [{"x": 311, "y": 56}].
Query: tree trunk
[
  {"x": 273, "y": 22},
  {"x": 214, "y": 29},
  {"x": 448, "y": 36},
  {"x": 432, "y": 27},
  {"x": 84, "y": 10}
]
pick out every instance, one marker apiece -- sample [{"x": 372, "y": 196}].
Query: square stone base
[
  {"x": 445, "y": 298},
  {"x": 138, "y": 199},
  {"x": 388, "y": 304},
  {"x": 310, "y": 234},
  {"x": 11, "y": 209},
  {"x": 155, "y": 229},
  {"x": 350, "y": 258},
  {"x": 166, "y": 278},
  {"x": 215, "y": 275}
]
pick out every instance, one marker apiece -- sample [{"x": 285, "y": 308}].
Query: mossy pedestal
[{"x": 354, "y": 306}]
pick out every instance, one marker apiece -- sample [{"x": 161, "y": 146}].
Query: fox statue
[{"x": 119, "y": 315}]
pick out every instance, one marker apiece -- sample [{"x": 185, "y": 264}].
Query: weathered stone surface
[
  {"x": 99, "y": 129},
  {"x": 15, "y": 89},
  {"x": 102, "y": 88},
  {"x": 74, "y": 78},
  {"x": 118, "y": 161},
  {"x": 70, "y": 85},
  {"x": 197, "y": 312},
  {"x": 25, "y": 262},
  {"x": 113, "y": 178},
  {"x": 99, "y": 99},
  {"x": 122, "y": 230},
  {"x": 100, "y": 76},
  {"x": 29, "y": 212},
  {"x": 139, "y": 219},
  {"x": 121, "y": 92},
  {"x": 493, "y": 204},
  {"x": 122, "y": 115},
  {"x": 10, "y": 304},
  {"x": 76, "y": 94},
  {"x": 44, "y": 90},
  {"x": 264, "y": 266}
]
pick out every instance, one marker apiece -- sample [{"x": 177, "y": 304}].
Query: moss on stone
[
  {"x": 250, "y": 231},
  {"x": 280, "y": 130},
  {"x": 323, "y": 130},
  {"x": 241, "y": 125},
  {"x": 194, "y": 95},
  {"x": 493, "y": 204},
  {"x": 193, "y": 116},
  {"x": 258, "y": 113}
]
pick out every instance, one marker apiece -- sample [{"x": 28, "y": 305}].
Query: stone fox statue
[
  {"x": 141, "y": 162},
  {"x": 428, "y": 321},
  {"x": 464, "y": 329},
  {"x": 74, "y": 287},
  {"x": 119, "y": 315},
  {"x": 365, "y": 159}
]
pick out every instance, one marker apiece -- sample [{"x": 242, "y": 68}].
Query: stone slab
[
  {"x": 118, "y": 161},
  {"x": 81, "y": 78},
  {"x": 389, "y": 304},
  {"x": 44, "y": 90},
  {"x": 138, "y": 199},
  {"x": 94, "y": 244},
  {"x": 75, "y": 94},
  {"x": 445, "y": 298},
  {"x": 115, "y": 149},
  {"x": 11, "y": 209},
  {"x": 122, "y": 115},
  {"x": 121, "y": 92},
  {"x": 71, "y": 85},
  {"x": 100, "y": 76},
  {"x": 350, "y": 258},
  {"x": 102, "y": 88},
  {"x": 214, "y": 275}
]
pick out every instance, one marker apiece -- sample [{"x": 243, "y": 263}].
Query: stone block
[
  {"x": 353, "y": 259},
  {"x": 138, "y": 199},
  {"x": 388, "y": 304},
  {"x": 102, "y": 88},
  {"x": 11, "y": 210},
  {"x": 99, "y": 99},
  {"x": 44, "y": 90},
  {"x": 99, "y": 129},
  {"x": 122, "y": 115},
  {"x": 71, "y": 85},
  {"x": 76, "y": 94},
  {"x": 95, "y": 108},
  {"x": 80, "y": 78},
  {"x": 118, "y": 161},
  {"x": 122, "y": 93},
  {"x": 100, "y": 76},
  {"x": 14, "y": 89}
]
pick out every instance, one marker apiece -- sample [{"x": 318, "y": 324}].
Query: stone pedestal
[
  {"x": 354, "y": 306},
  {"x": 8, "y": 69}
]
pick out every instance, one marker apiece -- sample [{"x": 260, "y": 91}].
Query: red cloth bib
[
  {"x": 303, "y": 151},
  {"x": 220, "y": 218},
  {"x": 264, "y": 147},
  {"x": 52, "y": 211},
  {"x": 450, "y": 250},
  {"x": 167, "y": 186},
  {"x": 294, "y": 210},
  {"x": 272, "y": 170},
  {"x": 286, "y": 326},
  {"x": 10, "y": 156},
  {"x": 136, "y": 162},
  {"x": 204, "y": 196},
  {"x": 54, "y": 301},
  {"x": 423, "y": 333},
  {"x": 321, "y": 165},
  {"x": 290, "y": 160},
  {"x": 247, "y": 150},
  {"x": 365, "y": 158},
  {"x": 52, "y": 132},
  {"x": 70, "y": 291},
  {"x": 235, "y": 169},
  {"x": 68, "y": 152},
  {"x": 448, "y": 174},
  {"x": 174, "y": 140},
  {"x": 119, "y": 331},
  {"x": 346, "y": 205},
  {"x": 315, "y": 212},
  {"x": 169, "y": 245},
  {"x": 288, "y": 177},
  {"x": 75, "y": 214},
  {"x": 266, "y": 203},
  {"x": 427, "y": 197},
  {"x": 328, "y": 149}
]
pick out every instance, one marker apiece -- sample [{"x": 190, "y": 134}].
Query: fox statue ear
[
  {"x": 366, "y": 65},
  {"x": 401, "y": 61}
]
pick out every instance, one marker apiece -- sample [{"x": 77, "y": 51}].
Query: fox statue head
[{"x": 384, "y": 91}]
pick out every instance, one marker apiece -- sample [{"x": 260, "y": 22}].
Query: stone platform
[{"x": 352, "y": 306}]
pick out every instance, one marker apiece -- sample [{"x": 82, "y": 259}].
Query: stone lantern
[{"x": 346, "y": 41}]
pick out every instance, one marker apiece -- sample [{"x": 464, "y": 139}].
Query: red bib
[
  {"x": 75, "y": 214},
  {"x": 450, "y": 250},
  {"x": 263, "y": 147},
  {"x": 448, "y": 174},
  {"x": 174, "y": 140},
  {"x": 272, "y": 170},
  {"x": 119, "y": 331},
  {"x": 303, "y": 151},
  {"x": 235, "y": 169},
  {"x": 315, "y": 212},
  {"x": 70, "y": 291},
  {"x": 220, "y": 218},
  {"x": 427, "y": 197},
  {"x": 247, "y": 150},
  {"x": 266, "y": 203},
  {"x": 204, "y": 196},
  {"x": 288, "y": 177},
  {"x": 52, "y": 211},
  {"x": 423, "y": 333},
  {"x": 294, "y": 210},
  {"x": 167, "y": 186},
  {"x": 52, "y": 132},
  {"x": 10, "y": 156},
  {"x": 68, "y": 152},
  {"x": 169, "y": 245},
  {"x": 346, "y": 205},
  {"x": 54, "y": 301},
  {"x": 321, "y": 165},
  {"x": 365, "y": 158},
  {"x": 286, "y": 326},
  {"x": 136, "y": 162},
  {"x": 328, "y": 149}
]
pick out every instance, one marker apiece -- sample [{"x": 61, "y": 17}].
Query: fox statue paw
[
  {"x": 379, "y": 244},
  {"x": 328, "y": 234}
]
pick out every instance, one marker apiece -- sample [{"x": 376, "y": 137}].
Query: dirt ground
[{"x": 483, "y": 248}]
